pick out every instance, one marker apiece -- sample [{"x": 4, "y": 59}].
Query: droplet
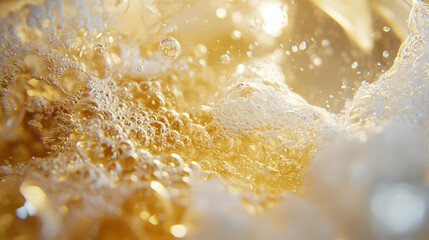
[
  {"x": 99, "y": 49},
  {"x": 386, "y": 54},
  {"x": 224, "y": 59},
  {"x": 140, "y": 69},
  {"x": 295, "y": 48},
  {"x": 355, "y": 64},
  {"x": 303, "y": 45},
  {"x": 170, "y": 48},
  {"x": 386, "y": 28}
]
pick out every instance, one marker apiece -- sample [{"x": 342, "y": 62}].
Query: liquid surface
[{"x": 174, "y": 119}]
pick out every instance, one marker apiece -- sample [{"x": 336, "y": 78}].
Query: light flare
[{"x": 275, "y": 18}]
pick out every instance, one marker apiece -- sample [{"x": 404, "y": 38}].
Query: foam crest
[{"x": 400, "y": 94}]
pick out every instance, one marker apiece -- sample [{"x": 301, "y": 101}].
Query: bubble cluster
[{"x": 140, "y": 136}]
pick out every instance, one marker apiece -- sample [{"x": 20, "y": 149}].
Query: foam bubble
[{"x": 170, "y": 48}]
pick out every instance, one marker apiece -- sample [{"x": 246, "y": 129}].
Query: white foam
[{"x": 385, "y": 152}]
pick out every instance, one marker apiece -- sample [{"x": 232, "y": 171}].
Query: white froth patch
[
  {"x": 353, "y": 176},
  {"x": 369, "y": 184},
  {"x": 219, "y": 214},
  {"x": 399, "y": 208},
  {"x": 261, "y": 101},
  {"x": 402, "y": 93},
  {"x": 371, "y": 190}
]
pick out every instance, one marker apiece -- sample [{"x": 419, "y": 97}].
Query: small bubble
[
  {"x": 134, "y": 178},
  {"x": 170, "y": 48},
  {"x": 202, "y": 48},
  {"x": 224, "y": 59},
  {"x": 355, "y": 64},
  {"x": 295, "y": 48},
  {"x": 236, "y": 35},
  {"x": 99, "y": 49},
  {"x": 140, "y": 69},
  {"x": 303, "y": 45},
  {"x": 249, "y": 54},
  {"x": 386, "y": 28},
  {"x": 317, "y": 61},
  {"x": 221, "y": 12},
  {"x": 325, "y": 43},
  {"x": 386, "y": 54},
  {"x": 154, "y": 101},
  {"x": 237, "y": 17},
  {"x": 240, "y": 68}
]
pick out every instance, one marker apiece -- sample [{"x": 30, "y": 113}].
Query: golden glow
[{"x": 275, "y": 18}]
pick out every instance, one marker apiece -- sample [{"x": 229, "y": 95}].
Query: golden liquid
[{"x": 109, "y": 120}]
